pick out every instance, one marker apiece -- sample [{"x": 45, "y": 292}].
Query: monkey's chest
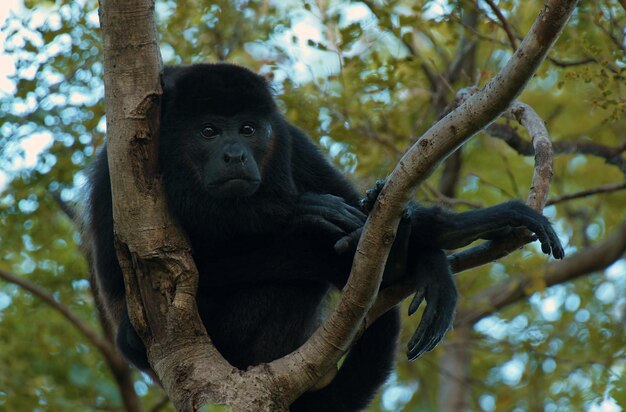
[{"x": 260, "y": 260}]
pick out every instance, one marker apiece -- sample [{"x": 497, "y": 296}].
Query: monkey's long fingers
[
  {"x": 316, "y": 223},
  {"x": 418, "y": 298},
  {"x": 425, "y": 331},
  {"x": 444, "y": 318},
  {"x": 329, "y": 203},
  {"x": 339, "y": 216},
  {"x": 555, "y": 243},
  {"x": 538, "y": 224},
  {"x": 436, "y": 321}
]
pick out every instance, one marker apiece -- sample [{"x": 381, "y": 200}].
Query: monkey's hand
[
  {"x": 453, "y": 231},
  {"x": 327, "y": 214},
  {"x": 435, "y": 284}
]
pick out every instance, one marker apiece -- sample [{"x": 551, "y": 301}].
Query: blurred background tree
[{"x": 365, "y": 79}]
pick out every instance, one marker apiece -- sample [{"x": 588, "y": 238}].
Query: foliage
[{"x": 365, "y": 80}]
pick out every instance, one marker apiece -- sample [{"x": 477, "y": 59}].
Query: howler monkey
[{"x": 263, "y": 210}]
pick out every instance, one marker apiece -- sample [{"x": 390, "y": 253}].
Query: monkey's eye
[
  {"x": 247, "y": 129},
  {"x": 209, "y": 132}
]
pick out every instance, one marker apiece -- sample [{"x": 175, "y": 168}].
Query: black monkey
[{"x": 263, "y": 210}]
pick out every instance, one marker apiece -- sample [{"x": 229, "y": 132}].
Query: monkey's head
[{"x": 216, "y": 129}]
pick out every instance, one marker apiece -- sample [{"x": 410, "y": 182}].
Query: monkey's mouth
[{"x": 234, "y": 187}]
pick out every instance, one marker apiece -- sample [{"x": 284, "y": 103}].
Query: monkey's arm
[
  {"x": 417, "y": 252},
  {"x": 449, "y": 230}
]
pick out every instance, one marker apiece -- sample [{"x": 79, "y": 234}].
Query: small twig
[
  {"x": 451, "y": 201},
  {"x": 505, "y": 24},
  {"x": 561, "y": 63},
  {"x": 612, "y": 187},
  {"x": 102, "y": 344},
  {"x": 542, "y": 145}
]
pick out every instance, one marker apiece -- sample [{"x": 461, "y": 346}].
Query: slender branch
[
  {"x": 100, "y": 343},
  {"x": 581, "y": 62},
  {"x": 118, "y": 366},
  {"x": 612, "y": 155},
  {"x": 542, "y": 147},
  {"x": 505, "y": 24},
  {"x": 612, "y": 187}
]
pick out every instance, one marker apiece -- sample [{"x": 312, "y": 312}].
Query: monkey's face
[{"x": 227, "y": 153}]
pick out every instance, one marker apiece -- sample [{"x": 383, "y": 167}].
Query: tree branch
[
  {"x": 491, "y": 250},
  {"x": 612, "y": 155},
  {"x": 505, "y": 24},
  {"x": 100, "y": 343},
  {"x": 542, "y": 147},
  {"x": 334, "y": 337},
  {"x": 612, "y": 187}
]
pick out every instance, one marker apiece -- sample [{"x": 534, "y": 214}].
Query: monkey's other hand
[
  {"x": 435, "y": 284},
  {"x": 520, "y": 215}
]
